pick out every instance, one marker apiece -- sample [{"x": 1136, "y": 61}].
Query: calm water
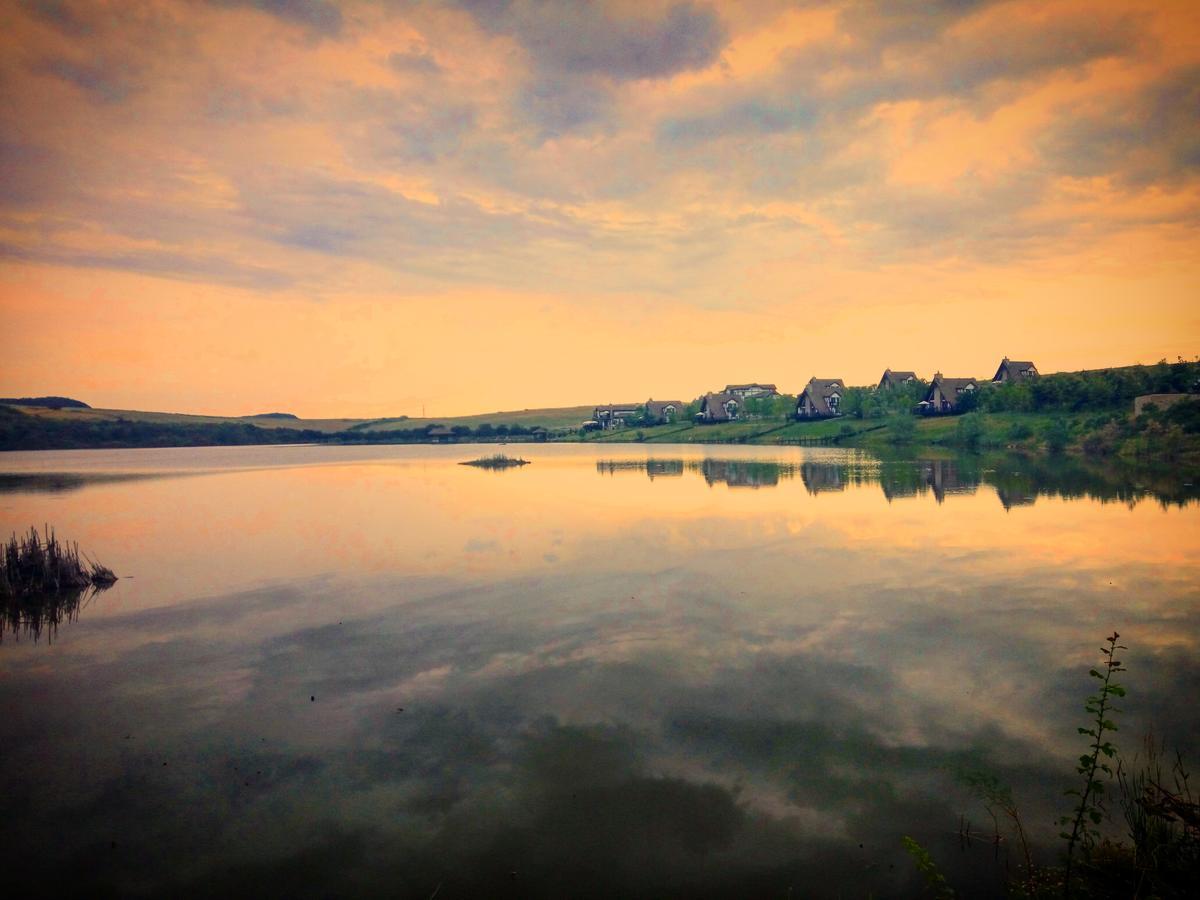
[{"x": 618, "y": 671}]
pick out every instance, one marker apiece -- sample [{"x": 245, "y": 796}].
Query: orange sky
[{"x": 362, "y": 209}]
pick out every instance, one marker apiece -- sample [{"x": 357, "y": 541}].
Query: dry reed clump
[
  {"x": 33, "y": 566},
  {"x": 499, "y": 461}
]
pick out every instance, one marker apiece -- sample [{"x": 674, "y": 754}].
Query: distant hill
[
  {"x": 45, "y": 402},
  {"x": 273, "y": 416}
]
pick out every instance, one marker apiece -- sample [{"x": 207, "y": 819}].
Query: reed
[{"x": 34, "y": 566}]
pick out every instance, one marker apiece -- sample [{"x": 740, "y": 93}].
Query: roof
[
  {"x": 897, "y": 376},
  {"x": 713, "y": 405},
  {"x": 1015, "y": 367},
  {"x": 954, "y": 384},
  {"x": 612, "y": 408},
  {"x": 730, "y": 388},
  {"x": 950, "y": 387},
  {"x": 657, "y": 407},
  {"x": 819, "y": 390}
]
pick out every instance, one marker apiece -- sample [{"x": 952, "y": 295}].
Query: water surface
[{"x": 618, "y": 671}]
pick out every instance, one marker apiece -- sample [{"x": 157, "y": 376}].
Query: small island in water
[{"x": 499, "y": 461}]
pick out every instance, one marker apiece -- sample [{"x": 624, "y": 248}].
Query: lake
[{"x": 622, "y": 670}]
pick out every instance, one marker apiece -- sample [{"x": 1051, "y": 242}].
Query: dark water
[{"x": 618, "y": 671}]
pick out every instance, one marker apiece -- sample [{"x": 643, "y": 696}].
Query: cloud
[
  {"x": 1142, "y": 138},
  {"x": 590, "y": 39},
  {"x": 578, "y": 53},
  {"x": 318, "y": 17},
  {"x": 416, "y": 61}
]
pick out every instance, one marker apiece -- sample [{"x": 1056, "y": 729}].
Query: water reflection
[
  {"x": 378, "y": 674},
  {"x": 32, "y": 615},
  {"x": 1017, "y": 480}
]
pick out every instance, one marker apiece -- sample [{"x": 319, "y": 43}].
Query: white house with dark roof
[
  {"x": 1013, "y": 370},
  {"x": 746, "y": 391},
  {"x": 895, "y": 379},
  {"x": 821, "y": 398},
  {"x": 664, "y": 410},
  {"x": 720, "y": 407},
  {"x": 944, "y": 393}
]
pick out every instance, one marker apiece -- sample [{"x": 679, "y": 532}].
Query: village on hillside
[{"x": 821, "y": 398}]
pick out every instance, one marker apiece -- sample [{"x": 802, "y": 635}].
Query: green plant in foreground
[
  {"x": 934, "y": 878},
  {"x": 1089, "y": 810}
]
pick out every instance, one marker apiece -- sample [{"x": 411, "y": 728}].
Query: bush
[{"x": 969, "y": 431}]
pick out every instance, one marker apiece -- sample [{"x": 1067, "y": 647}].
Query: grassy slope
[
  {"x": 569, "y": 416},
  {"x": 555, "y": 417},
  {"x": 866, "y": 432},
  {"x": 163, "y": 418}
]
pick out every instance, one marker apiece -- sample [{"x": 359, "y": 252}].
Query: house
[
  {"x": 944, "y": 393},
  {"x": 614, "y": 414},
  {"x": 892, "y": 379},
  {"x": 821, "y": 398},
  {"x": 1011, "y": 370},
  {"x": 665, "y": 411},
  {"x": 440, "y": 434},
  {"x": 721, "y": 407},
  {"x": 745, "y": 391}
]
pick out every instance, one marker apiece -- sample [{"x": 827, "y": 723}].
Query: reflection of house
[
  {"x": 944, "y": 393},
  {"x": 664, "y": 410},
  {"x": 821, "y": 398},
  {"x": 943, "y": 478},
  {"x": 615, "y": 414},
  {"x": 1011, "y": 370},
  {"x": 892, "y": 379},
  {"x": 1013, "y": 496},
  {"x": 753, "y": 473},
  {"x": 720, "y": 407},
  {"x": 818, "y": 477},
  {"x": 744, "y": 391},
  {"x": 654, "y": 468}
]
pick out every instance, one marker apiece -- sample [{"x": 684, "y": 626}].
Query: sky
[{"x": 372, "y": 209}]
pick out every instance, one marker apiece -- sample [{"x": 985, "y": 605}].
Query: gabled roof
[
  {"x": 897, "y": 376},
  {"x": 1015, "y": 368},
  {"x": 656, "y": 408},
  {"x": 713, "y": 405},
  {"x": 819, "y": 390},
  {"x": 950, "y": 387}
]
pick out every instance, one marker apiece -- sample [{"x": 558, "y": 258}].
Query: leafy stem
[{"x": 1089, "y": 810}]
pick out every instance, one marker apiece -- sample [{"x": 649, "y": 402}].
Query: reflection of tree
[
  {"x": 32, "y": 614},
  {"x": 1017, "y": 479}
]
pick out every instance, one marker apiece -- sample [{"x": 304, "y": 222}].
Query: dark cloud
[
  {"x": 416, "y": 61},
  {"x": 933, "y": 66},
  {"x": 319, "y": 17},
  {"x": 1150, "y": 136},
  {"x": 176, "y": 264},
  {"x": 68, "y": 16},
  {"x": 103, "y": 81},
  {"x": 579, "y": 52},
  {"x": 589, "y": 39}
]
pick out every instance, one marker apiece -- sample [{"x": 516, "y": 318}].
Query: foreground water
[{"x": 618, "y": 671}]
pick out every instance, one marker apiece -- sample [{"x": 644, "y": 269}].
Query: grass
[
  {"x": 498, "y": 461},
  {"x": 44, "y": 581},
  {"x": 33, "y": 565}
]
